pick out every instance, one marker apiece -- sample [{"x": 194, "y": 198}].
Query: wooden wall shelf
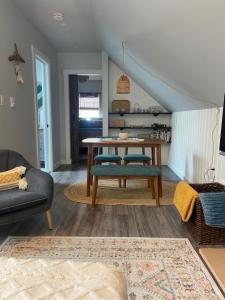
[
  {"x": 141, "y": 127},
  {"x": 143, "y": 113}
]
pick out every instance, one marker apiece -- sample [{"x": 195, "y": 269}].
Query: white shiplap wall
[
  {"x": 191, "y": 150},
  {"x": 137, "y": 95}
]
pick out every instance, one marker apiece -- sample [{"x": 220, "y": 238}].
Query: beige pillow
[{"x": 13, "y": 178}]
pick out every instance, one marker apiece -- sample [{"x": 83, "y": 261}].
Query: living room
[{"x": 148, "y": 79}]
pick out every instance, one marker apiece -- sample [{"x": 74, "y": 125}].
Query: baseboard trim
[
  {"x": 66, "y": 162},
  {"x": 178, "y": 172},
  {"x": 57, "y": 164},
  {"x": 62, "y": 162},
  {"x": 175, "y": 170}
]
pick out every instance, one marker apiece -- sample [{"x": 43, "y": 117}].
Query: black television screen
[{"x": 222, "y": 135}]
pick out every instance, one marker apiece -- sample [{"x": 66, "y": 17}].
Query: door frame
[
  {"x": 66, "y": 74},
  {"x": 42, "y": 57}
]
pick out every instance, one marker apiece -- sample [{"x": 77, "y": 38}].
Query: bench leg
[
  {"x": 119, "y": 180},
  {"x": 147, "y": 163},
  {"x": 94, "y": 192},
  {"x": 160, "y": 186},
  {"x": 125, "y": 181},
  {"x": 153, "y": 187},
  {"x": 156, "y": 185}
]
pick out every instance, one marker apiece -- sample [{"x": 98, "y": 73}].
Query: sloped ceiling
[{"x": 174, "y": 49}]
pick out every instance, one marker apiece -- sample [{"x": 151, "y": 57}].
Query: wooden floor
[{"x": 71, "y": 219}]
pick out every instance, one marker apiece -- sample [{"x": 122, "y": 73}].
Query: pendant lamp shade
[{"x": 123, "y": 85}]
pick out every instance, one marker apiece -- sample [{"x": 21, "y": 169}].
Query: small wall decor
[
  {"x": 123, "y": 83},
  {"x": 121, "y": 106},
  {"x": 16, "y": 57}
]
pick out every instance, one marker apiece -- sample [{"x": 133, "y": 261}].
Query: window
[{"x": 89, "y": 105}]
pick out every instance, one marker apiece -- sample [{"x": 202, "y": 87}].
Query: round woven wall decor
[{"x": 123, "y": 85}]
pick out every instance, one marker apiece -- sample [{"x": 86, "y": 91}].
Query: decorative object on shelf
[
  {"x": 137, "y": 108},
  {"x": 121, "y": 106},
  {"x": 156, "y": 125},
  {"x": 120, "y": 123},
  {"x": 123, "y": 135},
  {"x": 155, "y": 109},
  {"x": 123, "y": 83},
  {"x": 163, "y": 135},
  {"x": 16, "y": 57}
]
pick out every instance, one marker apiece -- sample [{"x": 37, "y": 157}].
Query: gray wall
[
  {"x": 72, "y": 62},
  {"x": 90, "y": 86},
  {"x": 17, "y": 126}
]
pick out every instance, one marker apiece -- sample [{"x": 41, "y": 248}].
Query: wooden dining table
[{"x": 92, "y": 143}]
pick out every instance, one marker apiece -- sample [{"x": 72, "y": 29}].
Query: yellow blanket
[{"x": 184, "y": 199}]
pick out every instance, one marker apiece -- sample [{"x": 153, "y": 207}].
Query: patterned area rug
[
  {"x": 155, "y": 268},
  {"x": 136, "y": 193}
]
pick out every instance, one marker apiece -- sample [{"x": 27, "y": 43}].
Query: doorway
[
  {"x": 85, "y": 111},
  {"x": 43, "y": 111}
]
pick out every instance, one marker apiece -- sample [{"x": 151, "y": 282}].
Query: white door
[{"x": 43, "y": 111}]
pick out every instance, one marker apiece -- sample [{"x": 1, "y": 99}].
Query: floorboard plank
[{"x": 74, "y": 219}]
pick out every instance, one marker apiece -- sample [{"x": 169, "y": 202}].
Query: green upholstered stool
[
  {"x": 136, "y": 157},
  {"x": 151, "y": 173},
  {"x": 107, "y": 158}
]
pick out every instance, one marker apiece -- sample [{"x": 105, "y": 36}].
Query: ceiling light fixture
[
  {"x": 59, "y": 17},
  {"x": 123, "y": 83}
]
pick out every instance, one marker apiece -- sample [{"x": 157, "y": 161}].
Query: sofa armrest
[{"x": 40, "y": 182}]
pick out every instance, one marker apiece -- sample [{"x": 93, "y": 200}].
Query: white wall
[
  {"x": 140, "y": 96},
  {"x": 192, "y": 148},
  {"x": 17, "y": 126},
  {"x": 72, "y": 61}
]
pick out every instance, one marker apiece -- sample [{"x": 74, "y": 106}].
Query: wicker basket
[
  {"x": 123, "y": 85},
  {"x": 121, "y": 106},
  {"x": 203, "y": 233},
  {"x": 120, "y": 123}
]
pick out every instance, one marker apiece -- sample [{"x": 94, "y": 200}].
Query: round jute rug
[{"x": 109, "y": 193}]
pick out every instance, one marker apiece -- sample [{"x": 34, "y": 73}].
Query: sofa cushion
[{"x": 13, "y": 200}]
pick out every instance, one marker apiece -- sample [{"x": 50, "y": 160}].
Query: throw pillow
[{"x": 13, "y": 178}]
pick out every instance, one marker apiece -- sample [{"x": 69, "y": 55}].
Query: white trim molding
[{"x": 35, "y": 52}]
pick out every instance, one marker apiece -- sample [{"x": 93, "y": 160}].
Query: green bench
[{"x": 151, "y": 173}]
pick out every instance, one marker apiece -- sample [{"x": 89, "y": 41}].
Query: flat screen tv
[{"x": 222, "y": 135}]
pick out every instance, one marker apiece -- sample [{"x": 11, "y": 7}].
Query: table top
[{"x": 119, "y": 142}]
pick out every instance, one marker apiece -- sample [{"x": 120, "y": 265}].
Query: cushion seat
[
  {"x": 14, "y": 200},
  {"x": 135, "y": 157},
  {"x": 130, "y": 170},
  {"x": 107, "y": 157}
]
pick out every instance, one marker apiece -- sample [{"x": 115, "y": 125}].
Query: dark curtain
[{"x": 74, "y": 118}]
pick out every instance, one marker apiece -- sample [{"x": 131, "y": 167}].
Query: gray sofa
[{"x": 17, "y": 205}]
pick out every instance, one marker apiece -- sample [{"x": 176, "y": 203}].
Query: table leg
[
  {"x": 92, "y": 163},
  {"x": 159, "y": 165},
  {"x": 89, "y": 164},
  {"x": 153, "y": 155}
]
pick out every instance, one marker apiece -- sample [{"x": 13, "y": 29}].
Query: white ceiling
[
  {"x": 79, "y": 32},
  {"x": 175, "y": 49}
]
